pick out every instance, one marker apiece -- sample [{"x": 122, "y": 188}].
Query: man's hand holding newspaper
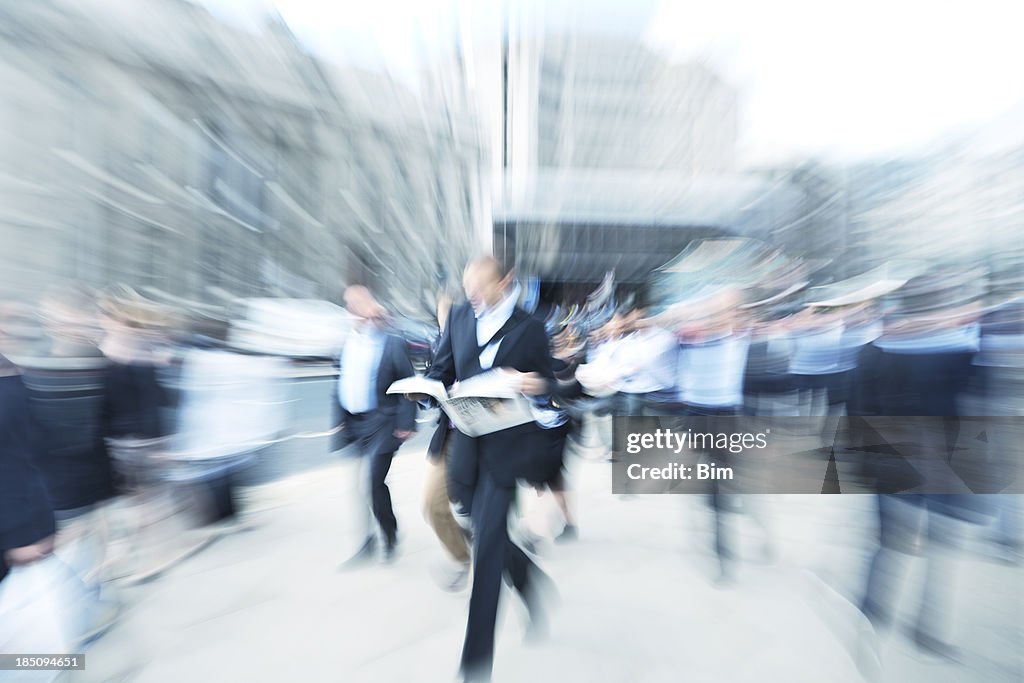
[{"x": 486, "y": 403}]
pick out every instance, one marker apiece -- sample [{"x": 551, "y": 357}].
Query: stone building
[{"x": 150, "y": 144}]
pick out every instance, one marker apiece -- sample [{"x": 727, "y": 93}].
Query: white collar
[
  {"x": 503, "y": 309},
  {"x": 489, "y": 321}
]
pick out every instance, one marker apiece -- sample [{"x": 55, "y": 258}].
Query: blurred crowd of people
[
  {"x": 933, "y": 347},
  {"x": 930, "y": 347},
  {"x": 119, "y": 407},
  {"x": 118, "y": 401}
]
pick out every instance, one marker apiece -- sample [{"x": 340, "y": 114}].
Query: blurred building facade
[
  {"x": 613, "y": 156},
  {"x": 149, "y": 144},
  {"x": 611, "y": 102},
  {"x": 967, "y": 209},
  {"x": 960, "y": 204},
  {"x": 819, "y": 230}
]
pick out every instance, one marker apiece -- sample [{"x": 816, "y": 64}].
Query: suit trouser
[
  {"x": 901, "y": 518},
  {"x": 718, "y": 420},
  {"x": 373, "y": 442},
  {"x": 377, "y": 467},
  {"x": 493, "y": 554},
  {"x": 437, "y": 508}
]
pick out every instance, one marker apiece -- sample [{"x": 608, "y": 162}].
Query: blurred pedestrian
[
  {"x": 1000, "y": 386},
  {"x": 66, "y": 388},
  {"x": 136, "y": 403},
  {"x": 645, "y": 358},
  {"x": 373, "y": 422},
  {"x": 436, "y": 502},
  {"x": 491, "y": 331},
  {"x": 921, "y": 371},
  {"x": 33, "y": 613},
  {"x": 712, "y": 367},
  {"x": 561, "y": 393}
]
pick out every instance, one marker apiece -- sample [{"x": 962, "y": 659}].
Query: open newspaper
[{"x": 486, "y": 403}]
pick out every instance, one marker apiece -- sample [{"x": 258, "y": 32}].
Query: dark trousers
[
  {"x": 901, "y": 521},
  {"x": 221, "y": 492},
  {"x": 378, "y": 466},
  {"x": 494, "y": 554},
  {"x": 718, "y": 420},
  {"x": 371, "y": 433}
]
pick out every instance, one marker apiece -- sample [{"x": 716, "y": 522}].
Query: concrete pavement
[{"x": 637, "y": 601}]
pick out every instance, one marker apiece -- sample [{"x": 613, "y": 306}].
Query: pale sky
[
  {"x": 856, "y": 78},
  {"x": 842, "y": 80}
]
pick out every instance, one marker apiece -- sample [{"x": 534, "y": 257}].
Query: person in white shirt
[
  {"x": 373, "y": 422},
  {"x": 712, "y": 368},
  {"x": 645, "y": 359}
]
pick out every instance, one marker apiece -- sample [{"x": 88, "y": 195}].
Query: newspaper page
[
  {"x": 487, "y": 403},
  {"x": 420, "y": 385}
]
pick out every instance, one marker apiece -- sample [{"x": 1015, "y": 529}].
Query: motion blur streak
[{"x": 188, "y": 188}]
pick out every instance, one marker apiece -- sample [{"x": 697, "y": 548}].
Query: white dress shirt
[
  {"x": 602, "y": 352},
  {"x": 817, "y": 352},
  {"x": 360, "y": 361},
  {"x": 855, "y": 338},
  {"x": 649, "y": 358},
  {"x": 966, "y": 338},
  {"x": 489, "y": 321},
  {"x": 711, "y": 373}
]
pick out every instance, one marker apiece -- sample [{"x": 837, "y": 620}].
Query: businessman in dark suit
[
  {"x": 372, "y": 421},
  {"x": 491, "y": 331},
  {"x": 27, "y": 524}
]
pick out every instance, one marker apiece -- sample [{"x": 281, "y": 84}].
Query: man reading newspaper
[{"x": 490, "y": 332}]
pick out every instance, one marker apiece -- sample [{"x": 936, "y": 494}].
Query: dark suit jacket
[
  {"x": 435, "y": 449},
  {"x": 68, "y": 405},
  {"x": 134, "y": 402},
  {"x": 522, "y": 452},
  {"x": 26, "y": 514},
  {"x": 921, "y": 386},
  {"x": 392, "y": 412}
]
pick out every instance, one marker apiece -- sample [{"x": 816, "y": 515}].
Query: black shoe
[
  {"x": 569, "y": 533},
  {"x": 362, "y": 556},
  {"x": 390, "y": 548},
  {"x": 725, "y": 579},
  {"x": 540, "y": 597},
  {"x": 477, "y": 674}
]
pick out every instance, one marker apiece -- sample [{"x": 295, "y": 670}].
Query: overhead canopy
[
  {"x": 873, "y": 284},
  {"x": 764, "y": 274},
  {"x": 574, "y": 225}
]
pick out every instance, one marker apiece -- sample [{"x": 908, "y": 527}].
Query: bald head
[
  {"x": 485, "y": 281},
  {"x": 360, "y": 303}
]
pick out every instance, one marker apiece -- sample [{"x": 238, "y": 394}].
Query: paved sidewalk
[{"x": 637, "y": 604}]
